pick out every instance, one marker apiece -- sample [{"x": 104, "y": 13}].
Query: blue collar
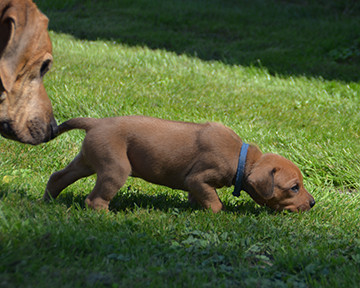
[{"x": 240, "y": 169}]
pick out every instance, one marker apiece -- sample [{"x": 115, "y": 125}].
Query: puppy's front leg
[
  {"x": 203, "y": 193},
  {"x": 61, "y": 179},
  {"x": 108, "y": 183}
]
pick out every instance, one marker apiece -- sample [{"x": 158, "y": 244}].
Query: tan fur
[
  {"x": 25, "y": 56},
  {"x": 197, "y": 158}
]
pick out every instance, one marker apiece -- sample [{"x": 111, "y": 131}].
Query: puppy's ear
[
  {"x": 7, "y": 35},
  {"x": 261, "y": 180}
]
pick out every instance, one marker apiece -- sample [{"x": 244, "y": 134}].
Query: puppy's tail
[{"x": 77, "y": 123}]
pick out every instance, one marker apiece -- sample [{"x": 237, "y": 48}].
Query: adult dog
[
  {"x": 25, "y": 56},
  {"x": 197, "y": 158}
]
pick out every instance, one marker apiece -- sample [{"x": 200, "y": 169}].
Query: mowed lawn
[{"x": 282, "y": 74}]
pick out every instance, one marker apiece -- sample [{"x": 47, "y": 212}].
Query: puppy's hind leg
[
  {"x": 58, "y": 181},
  {"x": 108, "y": 183}
]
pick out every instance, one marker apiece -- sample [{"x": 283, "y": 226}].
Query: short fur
[
  {"x": 197, "y": 158},
  {"x": 25, "y": 56}
]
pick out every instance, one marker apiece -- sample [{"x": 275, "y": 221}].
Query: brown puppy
[
  {"x": 25, "y": 56},
  {"x": 197, "y": 158}
]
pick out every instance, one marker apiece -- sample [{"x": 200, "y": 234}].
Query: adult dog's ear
[
  {"x": 261, "y": 180},
  {"x": 7, "y": 34}
]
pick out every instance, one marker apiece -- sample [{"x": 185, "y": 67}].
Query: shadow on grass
[
  {"x": 287, "y": 37},
  {"x": 7, "y": 189},
  {"x": 130, "y": 201}
]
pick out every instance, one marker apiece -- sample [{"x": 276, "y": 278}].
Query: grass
[{"x": 194, "y": 63}]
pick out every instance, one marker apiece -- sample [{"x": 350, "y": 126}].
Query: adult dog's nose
[
  {"x": 53, "y": 129},
  {"x": 7, "y": 131}
]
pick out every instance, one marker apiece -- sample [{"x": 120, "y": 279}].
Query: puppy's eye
[
  {"x": 45, "y": 67},
  {"x": 295, "y": 188}
]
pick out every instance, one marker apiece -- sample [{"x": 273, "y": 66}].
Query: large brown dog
[
  {"x": 197, "y": 158},
  {"x": 25, "y": 56}
]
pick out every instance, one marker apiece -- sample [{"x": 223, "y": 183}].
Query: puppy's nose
[{"x": 312, "y": 203}]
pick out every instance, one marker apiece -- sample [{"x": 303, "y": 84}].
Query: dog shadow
[{"x": 132, "y": 200}]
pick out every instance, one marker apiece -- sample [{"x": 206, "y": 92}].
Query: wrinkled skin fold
[{"x": 26, "y": 113}]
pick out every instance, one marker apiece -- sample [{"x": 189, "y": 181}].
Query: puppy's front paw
[{"x": 97, "y": 204}]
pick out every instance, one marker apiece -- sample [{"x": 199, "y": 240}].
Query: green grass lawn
[{"x": 282, "y": 74}]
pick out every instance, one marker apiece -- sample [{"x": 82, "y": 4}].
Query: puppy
[{"x": 197, "y": 158}]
